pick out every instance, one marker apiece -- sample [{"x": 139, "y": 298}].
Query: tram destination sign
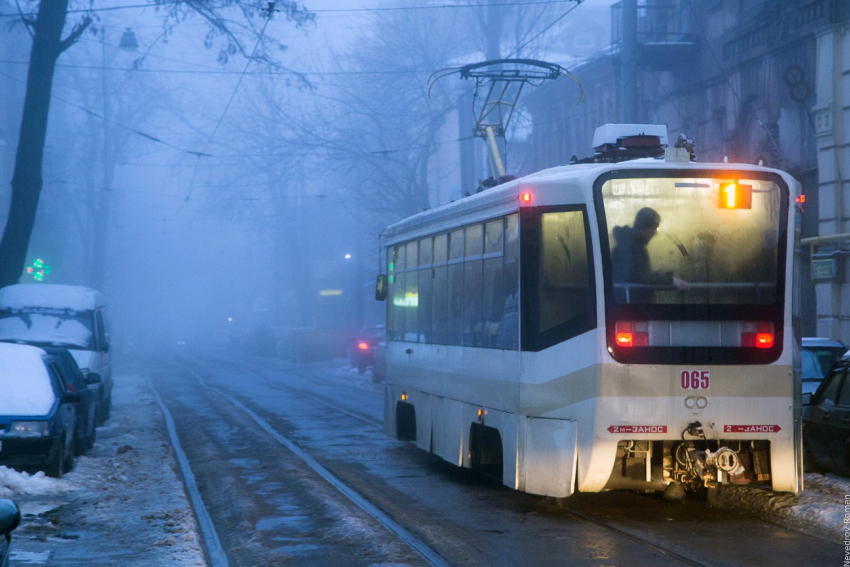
[
  {"x": 751, "y": 429},
  {"x": 637, "y": 429}
]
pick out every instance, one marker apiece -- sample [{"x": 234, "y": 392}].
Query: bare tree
[{"x": 46, "y": 28}]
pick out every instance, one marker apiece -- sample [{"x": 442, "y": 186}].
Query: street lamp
[{"x": 128, "y": 40}]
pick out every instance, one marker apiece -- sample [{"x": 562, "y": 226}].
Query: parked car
[
  {"x": 362, "y": 351},
  {"x": 68, "y": 316},
  {"x": 85, "y": 429},
  {"x": 74, "y": 381},
  {"x": 379, "y": 361},
  {"x": 37, "y": 416},
  {"x": 818, "y": 355},
  {"x": 10, "y": 517},
  {"x": 826, "y": 422}
]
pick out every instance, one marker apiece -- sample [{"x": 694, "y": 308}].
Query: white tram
[{"x": 542, "y": 332}]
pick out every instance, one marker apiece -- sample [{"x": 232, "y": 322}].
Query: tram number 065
[{"x": 695, "y": 379}]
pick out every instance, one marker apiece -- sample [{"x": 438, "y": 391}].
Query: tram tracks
[
  {"x": 418, "y": 536},
  {"x": 427, "y": 553}
]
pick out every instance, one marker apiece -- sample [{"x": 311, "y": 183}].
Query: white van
[{"x": 69, "y": 316}]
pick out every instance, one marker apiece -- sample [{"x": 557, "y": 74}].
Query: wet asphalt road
[{"x": 270, "y": 508}]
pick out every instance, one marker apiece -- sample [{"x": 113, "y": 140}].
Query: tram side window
[
  {"x": 411, "y": 293},
  {"x": 396, "y": 292},
  {"x": 425, "y": 293},
  {"x": 455, "y": 275},
  {"x": 493, "y": 291},
  {"x": 508, "y": 336},
  {"x": 439, "y": 291},
  {"x": 472, "y": 301},
  {"x": 565, "y": 294}
]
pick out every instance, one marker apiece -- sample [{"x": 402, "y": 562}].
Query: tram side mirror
[{"x": 381, "y": 287}]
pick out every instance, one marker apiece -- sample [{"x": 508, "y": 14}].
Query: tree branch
[
  {"x": 29, "y": 23},
  {"x": 74, "y": 35}
]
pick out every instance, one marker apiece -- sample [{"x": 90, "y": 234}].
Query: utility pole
[{"x": 628, "y": 63}]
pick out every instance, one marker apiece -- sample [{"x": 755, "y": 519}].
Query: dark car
[
  {"x": 362, "y": 351},
  {"x": 817, "y": 355},
  {"x": 85, "y": 430},
  {"x": 37, "y": 415},
  {"x": 379, "y": 365},
  {"x": 826, "y": 423},
  {"x": 10, "y": 517}
]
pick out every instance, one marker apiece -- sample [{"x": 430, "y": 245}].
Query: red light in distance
[{"x": 363, "y": 345}]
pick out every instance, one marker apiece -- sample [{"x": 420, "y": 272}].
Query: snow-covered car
[
  {"x": 37, "y": 416},
  {"x": 68, "y": 316},
  {"x": 10, "y": 517},
  {"x": 818, "y": 355}
]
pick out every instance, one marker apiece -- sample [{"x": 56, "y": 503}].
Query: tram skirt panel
[{"x": 550, "y": 457}]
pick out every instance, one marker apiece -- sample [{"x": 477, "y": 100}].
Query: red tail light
[
  {"x": 363, "y": 345},
  {"x": 631, "y": 334},
  {"x": 758, "y": 335}
]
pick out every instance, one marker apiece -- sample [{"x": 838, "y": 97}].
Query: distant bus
[{"x": 534, "y": 336}]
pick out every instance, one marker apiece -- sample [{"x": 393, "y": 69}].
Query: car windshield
[
  {"x": 818, "y": 360},
  {"x": 720, "y": 236},
  {"x": 65, "y": 327},
  {"x": 812, "y": 370}
]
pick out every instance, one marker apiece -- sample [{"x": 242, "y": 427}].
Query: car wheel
[
  {"x": 104, "y": 409},
  {"x": 56, "y": 468},
  {"x": 90, "y": 440},
  {"x": 810, "y": 464},
  {"x": 69, "y": 460},
  {"x": 79, "y": 445}
]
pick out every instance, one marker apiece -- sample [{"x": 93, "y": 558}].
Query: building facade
[{"x": 751, "y": 81}]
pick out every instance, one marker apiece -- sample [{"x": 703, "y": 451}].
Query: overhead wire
[
  {"x": 317, "y": 10},
  {"x": 227, "y": 106},
  {"x": 136, "y": 131}
]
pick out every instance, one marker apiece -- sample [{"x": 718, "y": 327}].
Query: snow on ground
[
  {"x": 123, "y": 504},
  {"x": 818, "y": 510}
]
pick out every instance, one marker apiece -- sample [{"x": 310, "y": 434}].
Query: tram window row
[{"x": 462, "y": 287}]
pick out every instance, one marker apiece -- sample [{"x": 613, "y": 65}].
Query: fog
[{"x": 221, "y": 195}]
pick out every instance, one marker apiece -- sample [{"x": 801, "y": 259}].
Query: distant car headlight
[{"x": 28, "y": 429}]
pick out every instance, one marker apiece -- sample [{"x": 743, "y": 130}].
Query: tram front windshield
[{"x": 703, "y": 241}]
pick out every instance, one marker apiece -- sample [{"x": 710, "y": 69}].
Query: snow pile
[
  {"x": 818, "y": 510},
  {"x": 14, "y": 483}
]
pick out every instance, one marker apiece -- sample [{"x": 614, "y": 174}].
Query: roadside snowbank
[
  {"x": 123, "y": 504},
  {"x": 13, "y": 483},
  {"x": 818, "y": 510}
]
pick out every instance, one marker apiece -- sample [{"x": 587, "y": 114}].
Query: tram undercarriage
[{"x": 693, "y": 465}]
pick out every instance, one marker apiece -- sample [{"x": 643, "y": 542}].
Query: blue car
[
  {"x": 37, "y": 414},
  {"x": 10, "y": 517}
]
